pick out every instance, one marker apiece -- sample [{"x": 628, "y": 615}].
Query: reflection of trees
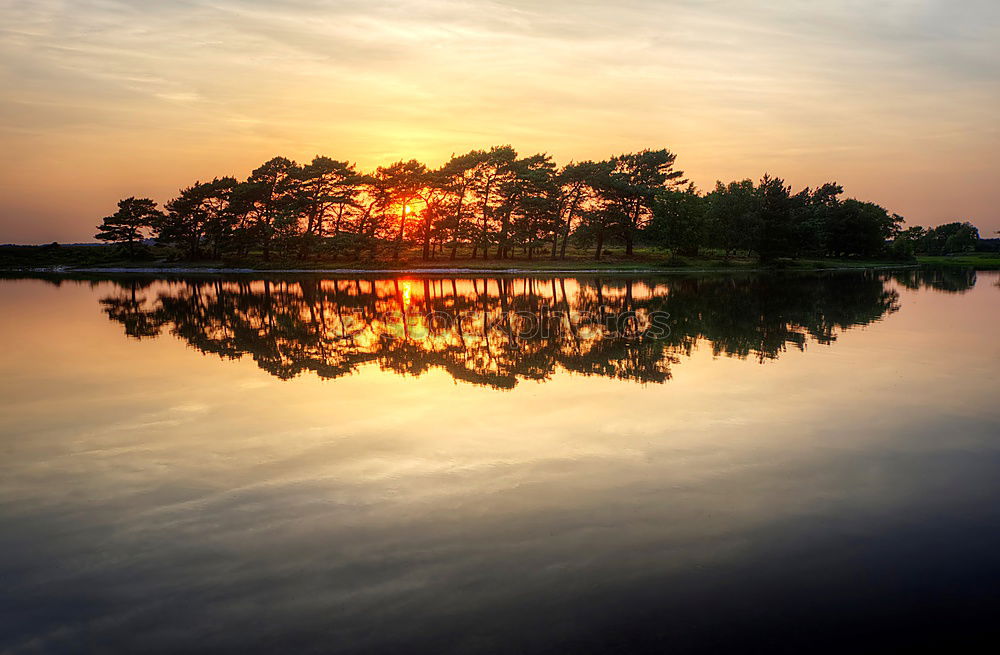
[
  {"x": 478, "y": 329},
  {"x": 130, "y": 310},
  {"x": 762, "y": 316},
  {"x": 950, "y": 280}
]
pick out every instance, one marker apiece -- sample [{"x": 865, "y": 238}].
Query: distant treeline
[{"x": 495, "y": 204}]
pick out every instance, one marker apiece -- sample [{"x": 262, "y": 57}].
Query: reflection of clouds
[
  {"x": 192, "y": 408},
  {"x": 374, "y": 560},
  {"x": 170, "y": 417},
  {"x": 254, "y": 384}
]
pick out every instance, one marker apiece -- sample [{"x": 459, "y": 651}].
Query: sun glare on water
[{"x": 405, "y": 288}]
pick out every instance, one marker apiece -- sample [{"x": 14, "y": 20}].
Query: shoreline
[{"x": 193, "y": 270}]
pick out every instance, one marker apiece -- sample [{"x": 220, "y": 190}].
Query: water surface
[{"x": 514, "y": 465}]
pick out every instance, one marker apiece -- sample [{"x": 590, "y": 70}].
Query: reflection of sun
[{"x": 406, "y": 292}]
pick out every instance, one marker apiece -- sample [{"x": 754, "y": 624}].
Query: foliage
[
  {"x": 495, "y": 204},
  {"x": 680, "y": 221},
  {"x": 135, "y": 216}
]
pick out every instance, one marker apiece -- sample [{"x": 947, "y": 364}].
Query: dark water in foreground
[{"x": 793, "y": 463}]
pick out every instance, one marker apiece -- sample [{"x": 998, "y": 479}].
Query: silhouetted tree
[
  {"x": 494, "y": 169},
  {"x": 487, "y": 198},
  {"x": 530, "y": 205},
  {"x": 135, "y": 217},
  {"x": 577, "y": 183},
  {"x": 949, "y": 238},
  {"x": 403, "y": 182},
  {"x": 200, "y": 214},
  {"x": 860, "y": 228},
  {"x": 271, "y": 192},
  {"x": 730, "y": 212},
  {"x": 456, "y": 178},
  {"x": 679, "y": 221},
  {"x": 327, "y": 188},
  {"x": 635, "y": 180}
]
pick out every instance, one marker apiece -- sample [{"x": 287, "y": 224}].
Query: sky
[{"x": 897, "y": 100}]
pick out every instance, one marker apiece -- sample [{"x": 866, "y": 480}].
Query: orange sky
[{"x": 897, "y": 100}]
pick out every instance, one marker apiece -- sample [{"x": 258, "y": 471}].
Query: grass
[
  {"x": 644, "y": 259},
  {"x": 982, "y": 261},
  {"x": 52, "y": 255}
]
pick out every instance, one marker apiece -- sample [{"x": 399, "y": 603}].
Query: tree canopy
[{"x": 498, "y": 204}]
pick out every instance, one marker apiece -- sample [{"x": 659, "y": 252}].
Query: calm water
[{"x": 378, "y": 465}]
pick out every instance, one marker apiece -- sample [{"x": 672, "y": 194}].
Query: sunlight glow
[
  {"x": 835, "y": 92},
  {"x": 405, "y": 288}
]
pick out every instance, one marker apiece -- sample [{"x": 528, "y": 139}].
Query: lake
[{"x": 782, "y": 462}]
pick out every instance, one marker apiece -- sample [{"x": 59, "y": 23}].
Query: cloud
[{"x": 734, "y": 87}]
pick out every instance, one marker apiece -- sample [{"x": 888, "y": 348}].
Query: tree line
[
  {"x": 947, "y": 239},
  {"x": 497, "y": 204}
]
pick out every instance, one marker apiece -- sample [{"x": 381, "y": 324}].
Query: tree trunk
[
  {"x": 427, "y": 238},
  {"x": 484, "y": 233},
  {"x": 336, "y": 225},
  {"x": 402, "y": 226},
  {"x": 633, "y": 222},
  {"x": 458, "y": 225},
  {"x": 566, "y": 228},
  {"x": 504, "y": 228}
]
